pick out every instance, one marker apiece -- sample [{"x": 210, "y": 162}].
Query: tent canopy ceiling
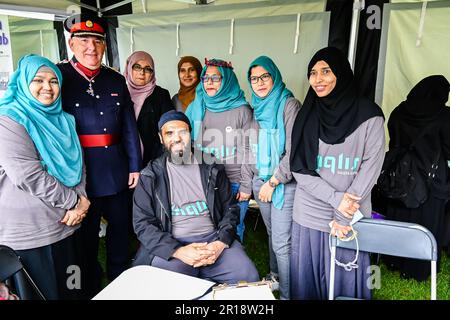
[
  {"x": 67, "y": 7},
  {"x": 228, "y": 11},
  {"x": 62, "y": 7}
]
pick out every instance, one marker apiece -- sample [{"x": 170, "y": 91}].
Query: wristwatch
[{"x": 272, "y": 184}]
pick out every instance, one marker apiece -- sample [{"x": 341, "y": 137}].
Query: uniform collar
[{"x": 87, "y": 72}]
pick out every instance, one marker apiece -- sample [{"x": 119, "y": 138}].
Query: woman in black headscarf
[
  {"x": 337, "y": 154},
  {"x": 424, "y": 111}
]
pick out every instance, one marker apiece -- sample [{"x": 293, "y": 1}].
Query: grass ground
[{"x": 392, "y": 286}]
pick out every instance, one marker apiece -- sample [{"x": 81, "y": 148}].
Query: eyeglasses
[
  {"x": 214, "y": 78},
  {"x": 264, "y": 78},
  {"x": 138, "y": 68}
]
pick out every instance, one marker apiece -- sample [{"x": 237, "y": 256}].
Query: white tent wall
[
  {"x": 33, "y": 36},
  {"x": 402, "y": 63},
  {"x": 271, "y": 35}
]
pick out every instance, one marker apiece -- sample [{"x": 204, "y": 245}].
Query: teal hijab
[
  {"x": 51, "y": 129},
  {"x": 229, "y": 96},
  {"x": 269, "y": 112}
]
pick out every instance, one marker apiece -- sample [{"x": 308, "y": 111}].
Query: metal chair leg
[{"x": 257, "y": 219}]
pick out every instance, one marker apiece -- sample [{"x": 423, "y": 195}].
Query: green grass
[
  {"x": 392, "y": 286},
  {"x": 255, "y": 242},
  {"x": 395, "y": 288}
]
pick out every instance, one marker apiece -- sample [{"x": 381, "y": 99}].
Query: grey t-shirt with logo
[
  {"x": 223, "y": 135},
  {"x": 352, "y": 166},
  {"x": 190, "y": 212}
]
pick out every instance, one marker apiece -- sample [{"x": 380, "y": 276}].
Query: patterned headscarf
[{"x": 229, "y": 96}]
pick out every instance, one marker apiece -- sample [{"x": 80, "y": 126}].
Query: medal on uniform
[{"x": 89, "y": 90}]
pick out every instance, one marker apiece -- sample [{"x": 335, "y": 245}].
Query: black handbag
[{"x": 402, "y": 179}]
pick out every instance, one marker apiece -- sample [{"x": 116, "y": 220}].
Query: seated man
[{"x": 184, "y": 213}]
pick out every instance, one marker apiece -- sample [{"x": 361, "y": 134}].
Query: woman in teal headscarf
[
  {"x": 42, "y": 186},
  {"x": 220, "y": 116},
  {"x": 274, "y": 109}
]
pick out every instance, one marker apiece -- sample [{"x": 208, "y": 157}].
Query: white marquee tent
[{"x": 415, "y": 36}]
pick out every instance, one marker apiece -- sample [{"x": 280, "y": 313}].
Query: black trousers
[
  {"x": 115, "y": 209},
  {"x": 53, "y": 267}
]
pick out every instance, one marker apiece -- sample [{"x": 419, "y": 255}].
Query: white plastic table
[{"x": 150, "y": 283}]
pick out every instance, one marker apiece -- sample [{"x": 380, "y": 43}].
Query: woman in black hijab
[
  {"x": 337, "y": 154},
  {"x": 424, "y": 110}
]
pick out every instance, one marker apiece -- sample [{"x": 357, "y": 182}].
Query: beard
[{"x": 180, "y": 156}]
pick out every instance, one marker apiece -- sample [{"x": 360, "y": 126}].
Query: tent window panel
[
  {"x": 19, "y": 24},
  {"x": 51, "y": 50},
  {"x": 23, "y": 43}
]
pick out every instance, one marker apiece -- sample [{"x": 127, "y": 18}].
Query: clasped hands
[
  {"x": 200, "y": 254},
  {"x": 348, "y": 206},
  {"x": 77, "y": 214}
]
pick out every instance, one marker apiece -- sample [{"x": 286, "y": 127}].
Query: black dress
[
  {"x": 431, "y": 214},
  {"x": 154, "y": 106}
]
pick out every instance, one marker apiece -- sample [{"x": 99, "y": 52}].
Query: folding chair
[
  {"x": 13, "y": 272},
  {"x": 393, "y": 238}
]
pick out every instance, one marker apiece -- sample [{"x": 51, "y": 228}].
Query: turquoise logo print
[
  {"x": 254, "y": 148},
  {"x": 219, "y": 153},
  {"x": 197, "y": 208},
  {"x": 341, "y": 165}
]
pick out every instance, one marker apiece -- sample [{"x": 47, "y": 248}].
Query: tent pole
[
  {"x": 83, "y": 5},
  {"x": 358, "y": 5},
  {"x": 99, "y": 9},
  {"x": 41, "y": 37},
  {"x": 117, "y": 5}
]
